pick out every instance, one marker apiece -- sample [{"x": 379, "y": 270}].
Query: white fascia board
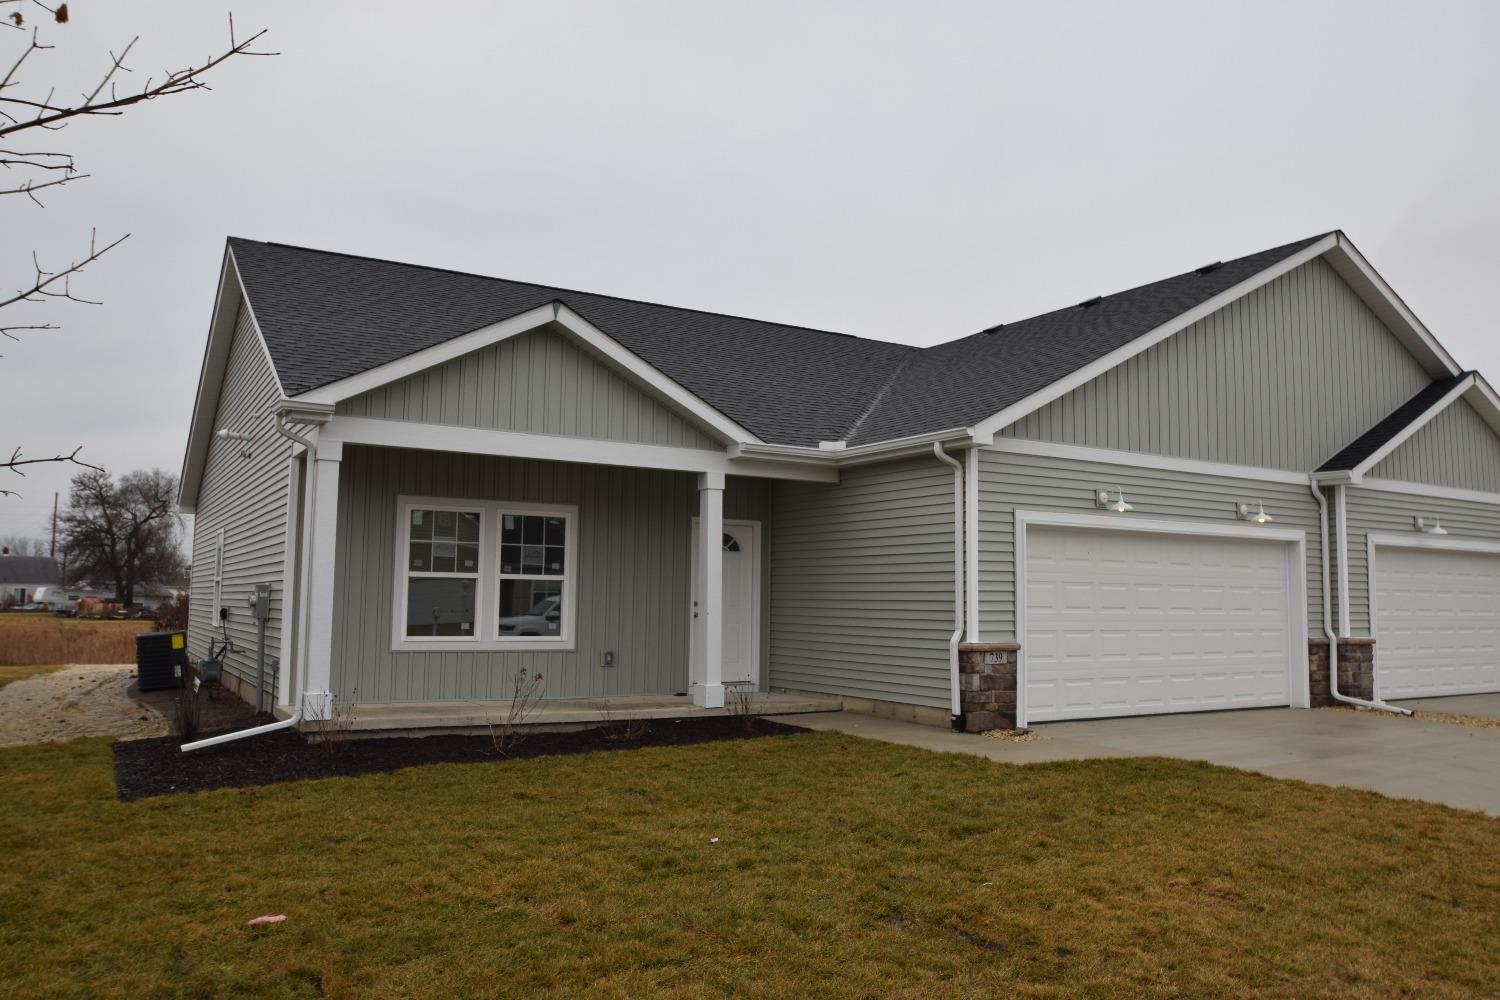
[
  {"x": 1146, "y": 341},
  {"x": 1166, "y": 463},
  {"x": 1358, "y": 472},
  {"x": 553, "y": 447},
  {"x": 1485, "y": 401},
  {"x": 1352, "y": 266},
  {"x": 1433, "y": 492},
  {"x": 864, "y": 454},
  {"x": 1417, "y": 540}
]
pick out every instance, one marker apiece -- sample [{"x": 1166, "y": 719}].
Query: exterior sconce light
[
  {"x": 1117, "y": 503},
  {"x": 1254, "y": 513},
  {"x": 225, "y": 434},
  {"x": 1433, "y": 527}
]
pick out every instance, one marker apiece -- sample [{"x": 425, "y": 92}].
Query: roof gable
[{"x": 1457, "y": 448}]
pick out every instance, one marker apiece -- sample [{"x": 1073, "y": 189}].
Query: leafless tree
[
  {"x": 29, "y": 170},
  {"x": 126, "y": 532},
  {"x": 23, "y": 545}
]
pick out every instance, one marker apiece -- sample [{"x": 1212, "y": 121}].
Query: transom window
[{"x": 485, "y": 575}]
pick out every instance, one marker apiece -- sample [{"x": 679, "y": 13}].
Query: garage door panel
[
  {"x": 1437, "y": 619},
  {"x": 1126, "y": 623}
]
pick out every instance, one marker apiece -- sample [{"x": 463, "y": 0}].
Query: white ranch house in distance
[{"x": 1191, "y": 495}]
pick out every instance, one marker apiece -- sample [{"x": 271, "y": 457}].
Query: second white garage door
[
  {"x": 1138, "y": 623},
  {"x": 1437, "y": 622}
]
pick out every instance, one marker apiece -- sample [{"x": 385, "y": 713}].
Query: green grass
[
  {"x": 843, "y": 868},
  {"x": 9, "y": 675}
]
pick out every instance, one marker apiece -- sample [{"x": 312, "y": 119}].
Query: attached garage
[
  {"x": 1121, "y": 616},
  {"x": 1436, "y": 608}
]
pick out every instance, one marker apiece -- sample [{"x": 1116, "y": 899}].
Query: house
[
  {"x": 21, "y": 577},
  {"x": 1190, "y": 495}
]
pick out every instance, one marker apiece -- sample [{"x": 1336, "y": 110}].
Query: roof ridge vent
[
  {"x": 1090, "y": 303},
  {"x": 993, "y": 329},
  {"x": 1209, "y": 268}
]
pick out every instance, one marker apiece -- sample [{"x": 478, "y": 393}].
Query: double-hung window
[{"x": 484, "y": 575}]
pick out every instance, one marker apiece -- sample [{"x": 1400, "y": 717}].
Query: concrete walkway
[
  {"x": 1483, "y": 706},
  {"x": 1406, "y": 758}
]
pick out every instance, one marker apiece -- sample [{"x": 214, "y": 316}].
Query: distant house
[
  {"x": 22, "y": 576},
  {"x": 1186, "y": 496}
]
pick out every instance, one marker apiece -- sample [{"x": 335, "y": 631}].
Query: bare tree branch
[
  {"x": 16, "y": 462},
  {"x": 44, "y": 285}
]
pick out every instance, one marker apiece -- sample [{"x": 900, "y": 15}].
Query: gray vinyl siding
[
  {"x": 1371, "y": 510},
  {"x": 1456, "y": 448},
  {"x": 1008, "y": 483},
  {"x": 538, "y": 382},
  {"x": 634, "y": 542},
  {"x": 862, "y": 583},
  {"x": 247, "y": 498},
  {"x": 1281, "y": 378}
]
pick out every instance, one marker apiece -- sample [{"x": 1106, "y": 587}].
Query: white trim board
[
  {"x": 557, "y": 448},
  {"x": 1166, "y": 463},
  {"x": 1425, "y": 490},
  {"x": 1298, "y": 680},
  {"x": 971, "y": 545}
]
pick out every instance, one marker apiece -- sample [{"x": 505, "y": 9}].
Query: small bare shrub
[
  {"x": 621, "y": 729},
  {"x": 527, "y": 690},
  {"x": 172, "y": 614},
  {"x": 744, "y": 704},
  {"x": 332, "y": 735}
]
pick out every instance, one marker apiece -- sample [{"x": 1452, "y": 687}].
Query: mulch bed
[{"x": 144, "y": 768}]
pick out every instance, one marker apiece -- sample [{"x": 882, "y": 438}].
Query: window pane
[
  {"x": 445, "y": 524},
  {"x": 510, "y": 530},
  {"x": 556, "y": 531},
  {"x": 468, "y": 527},
  {"x": 532, "y": 558},
  {"x": 443, "y": 557},
  {"x": 420, "y": 557},
  {"x": 468, "y": 558},
  {"x": 530, "y": 607},
  {"x": 510, "y": 558},
  {"x": 555, "y": 555},
  {"x": 421, "y": 524},
  {"x": 532, "y": 527},
  {"x": 436, "y": 606}
]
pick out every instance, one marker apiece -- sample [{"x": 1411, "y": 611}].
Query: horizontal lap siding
[
  {"x": 632, "y": 594},
  {"x": 1456, "y": 448},
  {"x": 862, "y": 583},
  {"x": 1008, "y": 483},
  {"x": 538, "y": 382},
  {"x": 247, "y": 498},
  {"x": 1371, "y": 510},
  {"x": 1281, "y": 378}
]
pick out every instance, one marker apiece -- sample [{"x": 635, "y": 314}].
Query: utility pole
[{"x": 53, "y": 553}]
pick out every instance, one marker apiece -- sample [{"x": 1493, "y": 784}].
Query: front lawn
[{"x": 842, "y": 868}]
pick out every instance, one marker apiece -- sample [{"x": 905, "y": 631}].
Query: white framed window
[{"x": 484, "y": 575}]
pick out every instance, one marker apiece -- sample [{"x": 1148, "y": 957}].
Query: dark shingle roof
[
  {"x": 1399, "y": 419},
  {"x": 326, "y": 316},
  {"x": 29, "y": 570}
]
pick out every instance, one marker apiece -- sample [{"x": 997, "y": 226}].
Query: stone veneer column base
[
  {"x": 987, "y": 685},
  {"x": 1356, "y": 670}
]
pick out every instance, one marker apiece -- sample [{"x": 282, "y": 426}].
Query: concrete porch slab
[
  {"x": 450, "y": 716},
  {"x": 1484, "y": 706}
]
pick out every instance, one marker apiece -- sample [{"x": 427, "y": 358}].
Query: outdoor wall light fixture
[
  {"x": 225, "y": 434},
  {"x": 1116, "y": 503},
  {"x": 1433, "y": 527},
  {"x": 1254, "y": 513}
]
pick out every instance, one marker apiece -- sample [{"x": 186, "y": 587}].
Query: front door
[{"x": 741, "y": 602}]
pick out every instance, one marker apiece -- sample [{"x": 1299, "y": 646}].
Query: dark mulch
[
  {"x": 144, "y": 768},
  {"x": 218, "y": 711}
]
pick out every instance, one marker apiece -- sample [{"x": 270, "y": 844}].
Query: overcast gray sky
[{"x": 910, "y": 172}]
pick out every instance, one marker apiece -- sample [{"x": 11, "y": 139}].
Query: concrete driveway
[
  {"x": 1483, "y": 706},
  {"x": 1407, "y": 758}
]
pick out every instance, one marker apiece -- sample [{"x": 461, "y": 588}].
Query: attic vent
[
  {"x": 994, "y": 329},
  {"x": 1210, "y": 268},
  {"x": 1089, "y": 303}
]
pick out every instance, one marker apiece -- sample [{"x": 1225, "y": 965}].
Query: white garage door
[
  {"x": 1138, "y": 623},
  {"x": 1437, "y": 622}
]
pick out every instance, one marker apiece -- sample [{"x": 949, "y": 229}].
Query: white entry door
[
  {"x": 1136, "y": 622},
  {"x": 1437, "y": 621},
  {"x": 741, "y": 601}
]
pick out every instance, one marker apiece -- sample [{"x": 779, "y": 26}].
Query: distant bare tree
[
  {"x": 30, "y": 170},
  {"x": 125, "y": 532},
  {"x": 21, "y": 545}
]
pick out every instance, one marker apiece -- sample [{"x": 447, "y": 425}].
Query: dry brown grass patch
[{"x": 27, "y": 640}]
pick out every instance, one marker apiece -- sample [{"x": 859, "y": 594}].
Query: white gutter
[
  {"x": 1333, "y": 639},
  {"x": 956, "y": 701},
  {"x": 837, "y": 453},
  {"x": 297, "y": 675}
]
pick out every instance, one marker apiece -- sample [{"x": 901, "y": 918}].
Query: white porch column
[
  {"x": 320, "y": 539},
  {"x": 708, "y": 675}
]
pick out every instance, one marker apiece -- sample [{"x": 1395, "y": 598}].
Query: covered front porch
[{"x": 426, "y": 718}]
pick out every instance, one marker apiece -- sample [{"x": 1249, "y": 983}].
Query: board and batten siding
[
  {"x": 1375, "y": 510},
  {"x": 1010, "y": 482},
  {"x": 634, "y": 538},
  {"x": 862, "y": 583},
  {"x": 247, "y": 498},
  {"x": 1282, "y": 378},
  {"x": 1456, "y": 448},
  {"x": 539, "y": 382}
]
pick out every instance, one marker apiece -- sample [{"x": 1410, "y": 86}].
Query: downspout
[
  {"x": 956, "y": 701},
  {"x": 1333, "y": 639},
  {"x": 297, "y": 675}
]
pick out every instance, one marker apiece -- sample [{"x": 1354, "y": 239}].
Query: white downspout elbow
[
  {"x": 956, "y": 699},
  {"x": 1333, "y": 639}
]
